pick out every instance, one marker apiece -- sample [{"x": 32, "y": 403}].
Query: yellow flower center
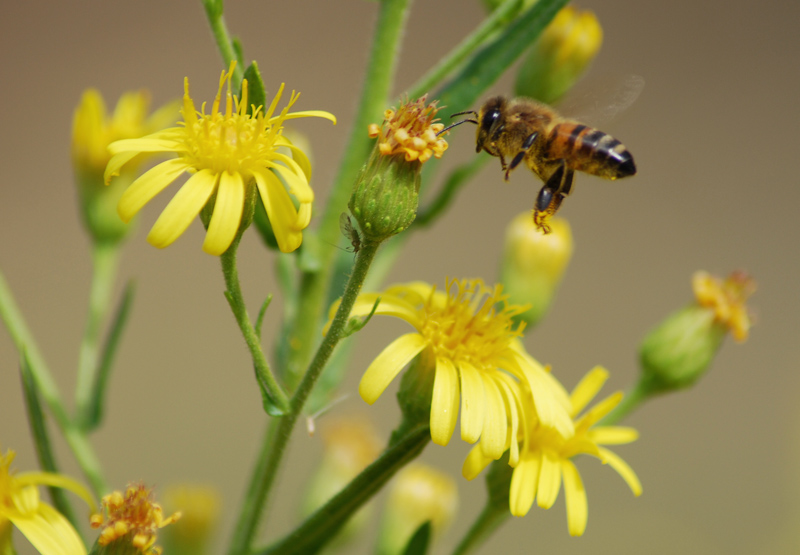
[
  {"x": 727, "y": 300},
  {"x": 232, "y": 140},
  {"x": 410, "y": 130},
  {"x": 470, "y": 326}
]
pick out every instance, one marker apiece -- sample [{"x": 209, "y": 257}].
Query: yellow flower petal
[
  {"x": 280, "y": 210},
  {"x": 115, "y": 165},
  {"x": 472, "y": 403},
  {"x": 575, "y": 493},
  {"x": 623, "y": 469},
  {"x": 388, "y": 364},
  {"x": 157, "y": 142},
  {"x": 182, "y": 209},
  {"x": 495, "y": 424},
  {"x": 297, "y": 155},
  {"x": 549, "y": 398},
  {"x": 524, "y": 484},
  {"x": 513, "y": 410},
  {"x": 294, "y": 177},
  {"x": 49, "y": 532},
  {"x": 587, "y": 388},
  {"x": 311, "y": 114},
  {"x": 597, "y": 412},
  {"x": 227, "y": 214},
  {"x": 549, "y": 480},
  {"x": 147, "y": 186},
  {"x": 475, "y": 462},
  {"x": 444, "y": 404},
  {"x": 57, "y": 481},
  {"x": 613, "y": 435}
]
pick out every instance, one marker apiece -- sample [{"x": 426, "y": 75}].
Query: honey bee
[{"x": 523, "y": 129}]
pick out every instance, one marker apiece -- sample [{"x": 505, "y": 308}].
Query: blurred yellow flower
[
  {"x": 224, "y": 151},
  {"x": 469, "y": 332},
  {"x": 545, "y": 456},
  {"x": 727, "y": 299},
  {"x": 133, "y": 518},
  {"x": 47, "y": 529}
]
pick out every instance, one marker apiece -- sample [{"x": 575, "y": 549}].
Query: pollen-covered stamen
[
  {"x": 727, "y": 299},
  {"x": 410, "y": 130},
  {"x": 472, "y": 326}
]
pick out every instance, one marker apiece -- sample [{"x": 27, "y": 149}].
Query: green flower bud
[
  {"x": 680, "y": 350},
  {"x": 386, "y": 194},
  {"x": 416, "y": 388},
  {"x": 534, "y": 264},
  {"x": 560, "y": 55}
]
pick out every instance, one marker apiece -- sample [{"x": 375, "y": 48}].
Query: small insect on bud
[
  {"x": 386, "y": 194},
  {"x": 680, "y": 350}
]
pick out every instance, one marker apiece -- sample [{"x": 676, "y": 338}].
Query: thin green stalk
[
  {"x": 276, "y": 441},
  {"x": 497, "y": 19},
  {"x": 76, "y": 438},
  {"x": 276, "y": 401},
  {"x": 374, "y": 97},
  {"x": 221, "y": 36},
  {"x": 484, "y": 526},
  {"x": 323, "y": 525},
  {"x": 105, "y": 260}
]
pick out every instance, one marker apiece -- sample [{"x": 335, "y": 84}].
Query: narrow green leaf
[
  {"x": 95, "y": 412},
  {"x": 256, "y": 94},
  {"x": 261, "y": 314},
  {"x": 420, "y": 541},
  {"x": 41, "y": 439}
]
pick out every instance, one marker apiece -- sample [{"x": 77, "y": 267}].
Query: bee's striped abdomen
[{"x": 590, "y": 150}]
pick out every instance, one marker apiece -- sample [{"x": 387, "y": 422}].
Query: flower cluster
[
  {"x": 411, "y": 130},
  {"x": 133, "y": 518},
  {"x": 727, "y": 300}
]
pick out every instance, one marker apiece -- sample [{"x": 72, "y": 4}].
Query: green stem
[
  {"x": 497, "y": 19},
  {"x": 276, "y": 401},
  {"x": 484, "y": 526},
  {"x": 105, "y": 260},
  {"x": 631, "y": 401},
  {"x": 374, "y": 97},
  {"x": 76, "y": 438},
  {"x": 275, "y": 443},
  {"x": 222, "y": 37},
  {"x": 323, "y": 525}
]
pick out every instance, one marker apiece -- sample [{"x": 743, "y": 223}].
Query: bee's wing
[{"x": 599, "y": 101}]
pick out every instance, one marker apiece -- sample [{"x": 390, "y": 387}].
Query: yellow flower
[
  {"x": 200, "y": 509},
  {"x": 545, "y": 456},
  {"x": 727, "y": 299},
  {"x": 411, "y": 131},
  {"x": 135, "y": 518},
  {"x": 468, "y": 331},
  {"x": 47, "y": 530},
  {"x": 224, "y": 151}
]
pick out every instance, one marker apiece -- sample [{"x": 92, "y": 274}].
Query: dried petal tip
[
  {"x": 410, "y": 130},
  {"x": 727, "y": 299},
  {"x": 133, "y": 519}
]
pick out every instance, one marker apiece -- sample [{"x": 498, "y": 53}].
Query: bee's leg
[
  {"x": 549, "y": 199},
  {"x": 521, "y": 154}
]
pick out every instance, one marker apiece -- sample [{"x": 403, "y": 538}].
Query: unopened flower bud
[
  {"x": 200, "y": 509},
  {"x": 386, "y": 194},
  {"x": 560, "y": 55},
  {"x": 418, "y": 495},
  {"x": 680, "y": 350},
  {"x": 534, "y": 264}
]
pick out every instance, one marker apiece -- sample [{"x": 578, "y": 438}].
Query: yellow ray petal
[
  {"x": 49, "y": 532},
  {"x": 495, "y": 424},
  {"x": 444, "y": 404},
  {"x": 58, "y": 481},
  {"x": 310, "y": 114},
  {"x": 587, "y": 388},
  {"x": 524, "y": 485},
  {"x": 513, "y": 410},
  {"x": 388, "y": 364},
  {"x": 472, "y": 403},
  {"x": 115, "y": 165},
  {"x": 147, "y": 186},
  {"x": 182, "y": 209},
  {"x": 151, "y": 143},
  {"x": 475, "y": 462},
  {"x": 575, "y": 494},
  {"x": 297, "y": 155},
  {"x": 623, "y": 469},
  {"x": 599, "y": 410},
  {"x": 294, "y": 177},
  {"x": 390, "y": 305},
  {"x": 280, "y": 210},
  {"x": 613, "y": 435},
  {"x": 227, "y": 214},
  {"x": 549, "y": 480}
]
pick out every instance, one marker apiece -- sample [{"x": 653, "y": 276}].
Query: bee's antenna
[{"x": 449, "y": 127}]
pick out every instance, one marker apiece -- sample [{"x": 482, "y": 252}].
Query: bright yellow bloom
[
  {"x": 200, "y": 510},
  {"x": 224, "y": 151},
  {"x": 727, "y": 299},
  {"x": 135, "y": 518},
  {"x": 469, "y": 331},
  {"x": 20, "y": 505},
  {"x": 411, "y": 130},
  {"x": 545, "y": 456}
]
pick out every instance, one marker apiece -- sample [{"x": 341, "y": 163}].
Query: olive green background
[{"x": 714, "y": 134}]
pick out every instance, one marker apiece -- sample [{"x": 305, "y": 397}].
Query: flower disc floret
[
  {"x": 470, "y": 334},
  {"x": 411, "y": 130},
  {"x": 727, "y": 299},
  {"x": 225, "y": 150}
]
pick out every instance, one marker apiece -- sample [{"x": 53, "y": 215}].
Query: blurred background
[{"x": 713, "y": 134}]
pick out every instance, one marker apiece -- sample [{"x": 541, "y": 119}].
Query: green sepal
[
  {"x": 420, "y": 540},
  {"x": 357, "y": 324},
  {"x": 94, "y": 415},
  {"x": 256, "y": 94}
]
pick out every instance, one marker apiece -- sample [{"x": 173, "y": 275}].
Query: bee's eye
[{"x": 490, "y": 117}]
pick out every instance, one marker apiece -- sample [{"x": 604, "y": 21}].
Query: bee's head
[{"x": 490, "y": 119}]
